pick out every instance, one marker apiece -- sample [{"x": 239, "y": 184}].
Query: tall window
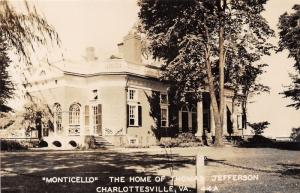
[
  {"x": 164, "y": 117},
  {"x": 97, "y": 119},
  {"x": 74, "y": 119},
  {"x": 57, "y": 117},
  {"x": 132, "y": 115}
]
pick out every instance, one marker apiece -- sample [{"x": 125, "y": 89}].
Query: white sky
[{"x": 103, "y": 23}]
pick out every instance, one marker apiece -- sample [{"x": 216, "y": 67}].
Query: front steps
[{"x": 101, "y": 142}]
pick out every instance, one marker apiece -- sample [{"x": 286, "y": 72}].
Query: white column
[
  {"x": 180, "y": 121},
  {"x": 212, "y": 122},
  {"x": 234, "y": 118},
  {"x": 225, "y": 119},
  {"x": 199, "y": 119}
]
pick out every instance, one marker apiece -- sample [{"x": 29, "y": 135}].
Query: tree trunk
[
  {"x": 221, "y": 76},
  {"x": 219, "y": 129},
  {"x": 217, "y": 118}
]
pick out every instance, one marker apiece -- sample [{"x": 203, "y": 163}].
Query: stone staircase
[{"x": 101, "y": 142}]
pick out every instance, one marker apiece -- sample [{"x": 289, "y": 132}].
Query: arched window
[
  {"x": 188, "y": 119},
  {"x": 184, "y": 108},
  {"x": 57, "y": 117},
  {"x": 74, "y": 118},
  {"x": 74, "y": 114}
]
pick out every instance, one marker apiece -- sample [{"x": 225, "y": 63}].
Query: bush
[
  {"x": 182, "y": 140},
  {"x": 295, "y": 135},
  {"x": 89, "y": 143},
  {"x": 258, "y": 128},
  {"x": 9, "y": 145},
  {"x": 258, "y": 141}
]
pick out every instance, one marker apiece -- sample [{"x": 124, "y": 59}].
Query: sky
[{"x": 103, "y": 24}]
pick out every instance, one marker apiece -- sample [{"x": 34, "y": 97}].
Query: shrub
[
  {"x": 89, "y": 143},
  {"x": 258, "y": 128},
  {"x": 258, "y": 141},
  {"x": 295, "y": 135},
  {"x": 182, "y": 140},
  {"x": 9, "y": 145}
]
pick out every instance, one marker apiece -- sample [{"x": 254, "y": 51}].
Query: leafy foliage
[
  {"x": 208, "y": 43},
  {"x": 182, "y": 140},
  {"x": 179, "y": 33},
  {"x": 295, "y": 135},
  {"x": 6, "y": 86},
  {"x": 289, "y": 26},
  {"x": 24, "y": 29},
  {"x": 258, "y": 128},
  {"x": 33, "y": 111}
]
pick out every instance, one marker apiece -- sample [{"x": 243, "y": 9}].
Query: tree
[
  {"x": 201, "y": 42},
  {"x": 6, "y": 85},
  {"x": 289, "y": 34},
  {"x": 258, "y": 128},
  {"x": 295, "y": 135},
  {"x": 22, "y": 30}
]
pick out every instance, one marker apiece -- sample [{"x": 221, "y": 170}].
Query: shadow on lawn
[
  {"x": 292, "y": 170},
  {"x": 30, "y": 168}
]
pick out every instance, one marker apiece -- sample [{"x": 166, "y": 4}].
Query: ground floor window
[
  {"x": 57, "y": 117},
  {"x": 134, "y": 114},
  {"x": 97, "y": 119},
  {"x": 164, "y": 117},
  {"x": 74, "y": 119},
  {"x": 188, "y": 119}
]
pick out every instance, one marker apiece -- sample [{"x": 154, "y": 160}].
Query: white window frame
[
  {"x": 57, "y": 117},
  {"x": 167, "y": 98},
  {"x": 167, "y": 116},
  {"x": 134, "y": 113},
  {"x": 134, "y": 97},
  {"x": 74, "y": 115}
]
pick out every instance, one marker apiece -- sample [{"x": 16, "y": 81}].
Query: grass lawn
[{"x": 277, "y": 170}]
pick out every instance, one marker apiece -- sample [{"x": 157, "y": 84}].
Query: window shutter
[
  {"x": 140, "y": 115},
  {"x": 244, "y": 121},
  {"x": 127, "y": 116},
  {"x": 87, "y": 114},
  {"x": 99, "y": 117}
]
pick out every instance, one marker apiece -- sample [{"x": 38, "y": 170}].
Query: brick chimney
[
  {"x": 131, "y": 48},
  {"x": 90, "y": 54}
]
